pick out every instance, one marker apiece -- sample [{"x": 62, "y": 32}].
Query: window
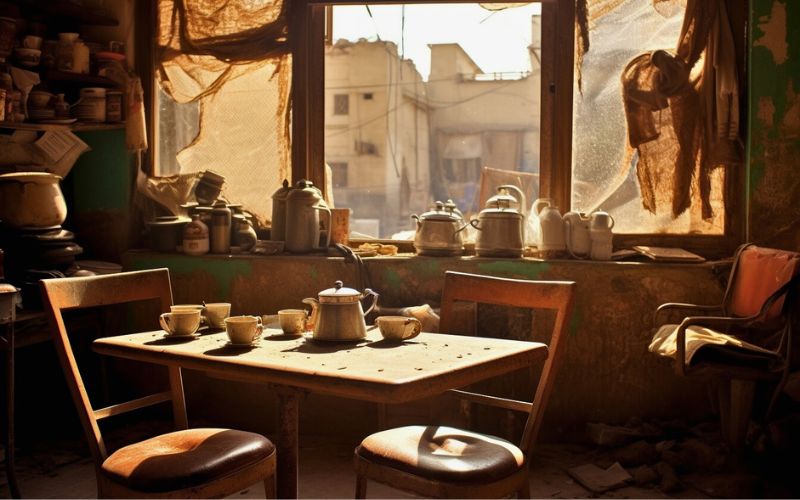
[
  {"x": 341, "y": 104},
  {"x": 339, "y": 174}
]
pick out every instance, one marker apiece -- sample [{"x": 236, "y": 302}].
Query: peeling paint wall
[
  {"x": 608, "y": 375},
  {"x": 774, "y": 123}
]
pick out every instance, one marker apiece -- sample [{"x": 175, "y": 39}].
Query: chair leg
[
  {"x": 361, "y": 486},
  {"x": 741, "y": 407},
  {"x": 269, "y": 487}
]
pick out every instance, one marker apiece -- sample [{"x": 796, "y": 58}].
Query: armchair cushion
[
  {"x": 443, "y": 453},
  {"x": 186, "y": 458},
  {"x": 761, "y": 272}
]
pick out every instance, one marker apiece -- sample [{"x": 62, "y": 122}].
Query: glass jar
[{"x": 195, "y": 237}]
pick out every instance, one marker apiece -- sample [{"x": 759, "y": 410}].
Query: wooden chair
[
  {"x": 447, "y": 462},
  {"x": 747, "y": 339},
  {"x": 187, "y": 463}
]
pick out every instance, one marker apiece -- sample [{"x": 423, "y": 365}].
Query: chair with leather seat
[
  {"x": 187, "y": 463},
  {"x": 742, "y": 342},
  {"x": 449, "y": 462}
]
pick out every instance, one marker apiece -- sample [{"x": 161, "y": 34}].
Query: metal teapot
[
  {"x": 304, "y": 208},
  {"x": 501, "y": 224},
  {"x": 439, "y": 231},
  {"x": 338, "y": 315}
]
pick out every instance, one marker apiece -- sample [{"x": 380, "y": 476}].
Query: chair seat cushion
[
  {"x": 443, "y": 453},
  {"x": 185, "y": 458}
]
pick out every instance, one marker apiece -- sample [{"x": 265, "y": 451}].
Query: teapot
[
  {"x": 439, "y": 231},
  {"x": 304, "y": 205},
  {"x": 551, "y": 225},
  {"x": 338, "y": 315},
  {"x": 576, "y": 233},
  {"x": 501, "y": 224}
]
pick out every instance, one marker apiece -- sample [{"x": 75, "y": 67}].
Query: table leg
[
  {"x": 11, "y": 474},
  {"x": 288, "y": 443}
]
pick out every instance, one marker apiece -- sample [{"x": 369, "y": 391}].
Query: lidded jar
[
  {"x": 195, "y": 237},
  {"x": 304, "y": 208},
  {"x": 221, "y": 221}
]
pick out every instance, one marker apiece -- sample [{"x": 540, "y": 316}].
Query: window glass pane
[
  {"x": 178, "y": 125},
  {"x": 437, "y": 93},
  {"x": 604, "y": 169}
]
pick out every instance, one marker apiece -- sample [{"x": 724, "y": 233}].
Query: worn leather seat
[
  {"x": 186, "y": 458},
  {"x": 443, "y": 453}
]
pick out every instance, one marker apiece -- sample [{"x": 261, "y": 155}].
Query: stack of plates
[
  {"x": 88, "y": 113},
  {"x": 37, "y": 114}
]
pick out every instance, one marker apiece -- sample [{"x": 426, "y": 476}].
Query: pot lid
[
  {"x": 282, "y": 191},
  {"x": 339, "y": 294},
  {"x": 442, "y": 212},
  {"x": 8, "y": 288},
  {"x": 37, "y": 177},
  {"x": 168, "y": 220},
  {"x": 500, "y": 213}
]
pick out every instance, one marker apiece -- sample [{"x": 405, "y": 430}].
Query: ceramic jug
[
  {"x": 278, "y": 231},
  {"x": 304, "y": 208},
  {"x": 602, "y": 237},
  {"x": 576, "y": 234},
  {"x": 551, "y": 226}
]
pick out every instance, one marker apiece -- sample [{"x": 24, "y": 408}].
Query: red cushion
[{"x": 759, "y": 273}]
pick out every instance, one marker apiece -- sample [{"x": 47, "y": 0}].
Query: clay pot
[{"x": 32, "y": 199}]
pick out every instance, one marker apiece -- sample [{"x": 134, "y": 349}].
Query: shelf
[
  {"x": 78, "y": 78},
  {"x": 75, "y": 127},
  {"x": 78, "y": 13}
]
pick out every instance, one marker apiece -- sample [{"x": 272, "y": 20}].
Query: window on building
[
  {"x": 368, "y": 96},
  {"x": 339, "y": 174},
  {"x": 341, "y": 104}
]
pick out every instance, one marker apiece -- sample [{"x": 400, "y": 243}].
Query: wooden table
[{"x": 370, "y": 370}]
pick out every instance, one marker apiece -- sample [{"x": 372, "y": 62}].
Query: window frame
[{"x": 310, "y": 27}]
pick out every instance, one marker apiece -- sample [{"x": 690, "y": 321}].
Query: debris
[
  {"x": 644, "y": 475},
  {"x": 599, "y": 480},
  {"x": 696, "y": 454},
  {"x": 615, "y": 435},
  {"x": 669, "y": 480},
  {"x": 638, "y": 453}
]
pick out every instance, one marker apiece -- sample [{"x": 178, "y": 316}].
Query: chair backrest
[
  {"x": 756, "y": 275},
  {"x": 554, "y": 295},
  {"x": 64, "y": 294}
]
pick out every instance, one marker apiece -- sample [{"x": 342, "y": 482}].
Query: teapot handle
[
  {"x": 472, "y": 223},
  {"x": 324, "y": 210},
  {"x": 546, "y": 202},
  {"x": 523, "y": 204},
  {"x": 368, "y": 292}
]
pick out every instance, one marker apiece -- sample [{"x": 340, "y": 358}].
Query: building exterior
[{"x": 395, "y": 143}]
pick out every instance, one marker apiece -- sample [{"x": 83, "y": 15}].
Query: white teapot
[{"x": 551, "y": 233}]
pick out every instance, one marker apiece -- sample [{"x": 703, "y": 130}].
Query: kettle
[
  {"x": 304, "y": 204},
  {"x": 501, "y": 224},
  {"x": 278, "y": 231},
  {"x": 576, "y": 234},
  {"x": 551, "y": 226},
  {"x": 337, "y": 315},
  {"x": 439, "y": 231}
]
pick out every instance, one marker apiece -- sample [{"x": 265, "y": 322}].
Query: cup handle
[
  {"x": 417, "y": 328},
  {"x": 259, "y": 330},
  {"x": 163, "y": 322},
  {"x": 612, "y": 222}
]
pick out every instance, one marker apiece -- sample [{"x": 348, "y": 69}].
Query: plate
[
  {"x": 59, "y": 121},
  {"x": 182, "y": 337}
]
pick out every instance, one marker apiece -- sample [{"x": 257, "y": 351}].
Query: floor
[{"x": 64, "y": 470}]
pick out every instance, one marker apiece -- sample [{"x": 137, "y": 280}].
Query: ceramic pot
[
  {"x": 166, "y": 233},
  {"x": 32, "y": 199}
]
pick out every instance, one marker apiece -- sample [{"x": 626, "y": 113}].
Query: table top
[{"x": 372, "y": 369}]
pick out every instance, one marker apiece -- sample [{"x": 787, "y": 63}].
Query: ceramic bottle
[{"x": 195, "y": 237}]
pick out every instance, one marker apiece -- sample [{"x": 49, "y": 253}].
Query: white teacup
[
  {"x": 216, "y": 312},
  {"x": 180, "y": 323},
  {"x": 293, "y": 321},
  {"x": 398, "y": 328},
  {"x": 243, "y": 330}
]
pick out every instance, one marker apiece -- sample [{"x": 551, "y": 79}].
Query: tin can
[{"x": 113, "y": 106}]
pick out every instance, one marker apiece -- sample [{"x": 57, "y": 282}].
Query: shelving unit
[{"x": 75, "y": 127}]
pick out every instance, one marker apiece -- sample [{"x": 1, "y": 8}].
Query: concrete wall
[{"x": 608, "y": 374}]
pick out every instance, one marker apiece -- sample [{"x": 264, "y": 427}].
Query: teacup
[
  {"x": 180, "y": 323},
  {"x": 398, "y": 328},
  {"x": 293, "y": 321},
  {"x": 216, "y": 312},
  {"x": 243, "y": 330}
]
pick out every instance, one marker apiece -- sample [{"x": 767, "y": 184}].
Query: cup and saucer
[
  {"x": 180, "y": 323},
  {"x": 243, "y": 331}
]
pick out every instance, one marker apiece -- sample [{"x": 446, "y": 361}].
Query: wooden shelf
[
  {"x": 75, "y": 127},
  {"x": 77, "y": 13},
  {"x": 78, "y": 78}
]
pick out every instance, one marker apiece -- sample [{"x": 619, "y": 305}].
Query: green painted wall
[{"x": 774, "y": 124}]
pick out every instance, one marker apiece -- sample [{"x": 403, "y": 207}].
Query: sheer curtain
[{"x": 232, "y": 58}]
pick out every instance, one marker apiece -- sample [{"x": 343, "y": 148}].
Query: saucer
[
  {"x": 182, "y": 337},
  {"x": 247, "y": 344}
]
